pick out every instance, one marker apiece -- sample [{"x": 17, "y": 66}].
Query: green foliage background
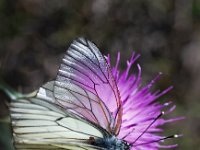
[{"x": 34, "y": 35}]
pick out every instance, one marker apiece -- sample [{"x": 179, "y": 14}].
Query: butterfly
[
  {"x": 72, "y": 112},
  {"x": 82, "y": 109}
]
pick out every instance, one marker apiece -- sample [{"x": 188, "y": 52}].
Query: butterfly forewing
[{"x": 85, "y": 86}]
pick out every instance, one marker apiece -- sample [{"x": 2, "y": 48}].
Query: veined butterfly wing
[
  {"x": 39, "y": 123},
  {"x": 83, "y": 84},
  {"x": 67, "y": 112}
]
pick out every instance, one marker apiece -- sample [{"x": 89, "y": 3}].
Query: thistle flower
[{"x": 141, "y": 119}]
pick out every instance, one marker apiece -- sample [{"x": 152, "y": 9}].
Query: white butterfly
[{"x": 71, "y": 112}]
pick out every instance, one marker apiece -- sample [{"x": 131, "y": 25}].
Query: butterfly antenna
[
  {"x": 162, "y": 113},
  {"x": 128, "y": 133},
  {"x": 168, "y": 137}
]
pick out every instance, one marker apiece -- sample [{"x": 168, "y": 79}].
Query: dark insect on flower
[{"x": 90, "y": 106}]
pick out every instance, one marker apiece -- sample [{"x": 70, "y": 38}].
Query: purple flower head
[{"x": 142, "y": 114}]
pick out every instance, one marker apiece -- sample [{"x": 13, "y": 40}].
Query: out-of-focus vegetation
[{"x": 34, "y": 35}]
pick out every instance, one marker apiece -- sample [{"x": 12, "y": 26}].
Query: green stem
[{"x": 11, "y": 93}]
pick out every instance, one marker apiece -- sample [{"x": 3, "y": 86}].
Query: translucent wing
[
  {"x": 85, "y": 86},
  {"x": 38, "y": 123}
]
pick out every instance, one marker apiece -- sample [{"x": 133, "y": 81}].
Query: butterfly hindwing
[{"x": 38, "y": 123}]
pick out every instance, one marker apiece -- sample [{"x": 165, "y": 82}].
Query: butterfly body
[{"x": 112, "y": 143}]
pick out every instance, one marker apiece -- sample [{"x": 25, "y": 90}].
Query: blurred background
[{"x": 34, "y": 35}]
